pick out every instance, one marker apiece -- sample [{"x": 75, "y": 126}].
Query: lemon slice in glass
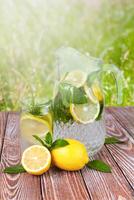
[
  {"x": 85, "y": 113},
  {"x": 95, "y": 95},
  {"x": 76, "y": 78},
  {"x": 90, "y": 94},
  {"x": 97, "y": 92},
  {"x": 33, "y": 125},
  {"x": 36, "y": 159},
  {"x": 48, "y": 118}
]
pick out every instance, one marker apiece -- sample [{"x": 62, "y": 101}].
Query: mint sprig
[
  {"x": 48, "y": 138},
  {"x": 71, "y": 94},
  {"x": 48, "y": 141},
  {"x": 14, "y": 169},
  {"x": 99, "y": 166},
  {"x": 112, "y": 140},
  {"x": 42, "y": 142}
]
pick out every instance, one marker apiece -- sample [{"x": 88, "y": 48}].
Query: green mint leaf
[
  {"x": 42, "y": 142},
  {"x": 71, "y": 94},
  {"x": 79, "y": 96},
  {"x": 59, "y": 143},
  {"x": 40, "y": 109},
  {"x": 60, "y": 112},
  {"x": 48, "y": 138},
  {"x": 14, "y": 169},
  {"x": 99, "y": 166},
  {"x": 112, "y": 140}
]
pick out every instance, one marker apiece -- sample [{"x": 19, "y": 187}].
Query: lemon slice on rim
[
  {"x": 76, "y": 78},
  {"x": 85, "y": 113},
  {"x": 31, "y": 125},
  {"x": 36, "y": 159}
]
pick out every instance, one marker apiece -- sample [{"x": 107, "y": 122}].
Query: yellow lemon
[
  {"x": 71, "y": 157},
  {"x": 36, "y": 159}
]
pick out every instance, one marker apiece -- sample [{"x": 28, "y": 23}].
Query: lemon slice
[
  {"x": 95, "y": 95},
  {"x": 85, "y": 113},
  {"x": 36, "y": 159},
  {"x": 31, "y": 125},
  {"x": 76, "y": 78},
  {"x": 48, "y": 118},
  {"x": 90, "y": 94},
  {"x": 97, "y": 92}
]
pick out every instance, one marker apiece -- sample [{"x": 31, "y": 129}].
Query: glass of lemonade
[
  {"x": 78, "y": 103},
  {"x": 37, "y": 120}
]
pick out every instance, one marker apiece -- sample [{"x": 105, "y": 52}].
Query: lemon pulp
[{"x": 36, "y": 159}]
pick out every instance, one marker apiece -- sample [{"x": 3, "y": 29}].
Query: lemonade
[
  {"x": 35, "y": 123},
  {"x": 78, "y": 113},
  {"x": 78, "y": 104}
]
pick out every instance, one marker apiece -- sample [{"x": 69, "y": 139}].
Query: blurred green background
[{"x": 31, "y": 31}]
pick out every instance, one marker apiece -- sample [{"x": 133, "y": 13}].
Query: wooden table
[{"x": 82, "y": 185}]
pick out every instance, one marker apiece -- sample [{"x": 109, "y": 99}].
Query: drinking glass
[{"x": 36, "y": 120}]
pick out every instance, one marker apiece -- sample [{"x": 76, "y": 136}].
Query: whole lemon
[{"x": 70, "y": 157}]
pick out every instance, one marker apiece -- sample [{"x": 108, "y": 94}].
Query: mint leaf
[
  {"x": 71, "y": 94},
  {"x": 112, "y": 140},
  {"x": 40, "y": 109},
  {"x": 14, "y": 169},
  {"x": 48, "y": 138},
  {"x": 42, "y": 142},
  {"x": 79, "y": 96},
  {"x": 99, "y": 166},
  {"x": 60, "y": 112},
  {"x": 59, "y": 143}
]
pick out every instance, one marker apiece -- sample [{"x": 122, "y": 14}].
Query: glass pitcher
[{"x": 78, "y": 103}]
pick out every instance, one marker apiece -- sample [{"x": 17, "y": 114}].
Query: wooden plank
[
  {"x": 123, "y": 154},
  {"x": 107, "y": 186},
  {"x": 125, "y": 116},
  {"x": 59, "y": 185},
  {"x": 3, "y": 119},
  {"x": 20, "y": 186}
]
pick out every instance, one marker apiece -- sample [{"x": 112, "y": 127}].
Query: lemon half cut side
[{"x": 36, "y": 159}]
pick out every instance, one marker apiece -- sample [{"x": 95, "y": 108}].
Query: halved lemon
[
  {"x": 33, "y": 125},
  {"x": 76, "y": 78},
  {"x": 85, "y": 113},
  {"x": 36, "y": 159}
]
